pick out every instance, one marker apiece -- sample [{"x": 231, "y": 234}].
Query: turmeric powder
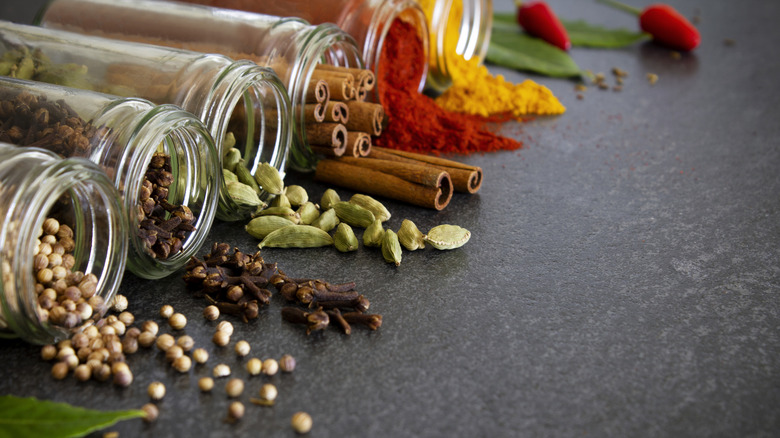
[{"x": 475, "y": 91}]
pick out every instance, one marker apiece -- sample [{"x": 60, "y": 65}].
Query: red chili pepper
[
  {"x": 667, "y": 26},
  {"x": 540, "y": 21}
]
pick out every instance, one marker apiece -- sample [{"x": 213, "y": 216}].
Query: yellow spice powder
[{"x": 475, "y": 91}]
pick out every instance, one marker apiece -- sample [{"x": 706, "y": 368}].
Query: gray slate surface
[{"x": 621, "y": 280}]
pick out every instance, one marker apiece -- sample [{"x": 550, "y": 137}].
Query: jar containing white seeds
[
  {"x": 63, "y": 244},
  {"x": 293, "y": 48},
  {"x": 160, "y": 158},
  {"x": 244, "y": 106}
]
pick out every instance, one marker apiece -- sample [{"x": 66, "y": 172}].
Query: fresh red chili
[
  {"x": 540, "y": 21},
  {"x": 667, "y": 26}
]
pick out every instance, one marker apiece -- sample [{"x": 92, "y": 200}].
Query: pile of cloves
[
  {"x": 162, "y": 226},
  {"x": 233, "y": 282}
]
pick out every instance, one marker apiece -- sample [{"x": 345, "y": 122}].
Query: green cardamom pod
[
  {"x": 372, "y": 205},
  {"x": 229, "y": 176},
  {"x": 410, "y": 236},
  {"x": 285, "y": 212},
  {"x": 353, "y": 214},
  {"x": 269, "y": 179},
  {"x": 329, "y": 198},
  {"x": 296, "y": 236},
  {"x": 262, "y": 226},
  {"x": 5, "y": 67},
  {"x": 25, "y": 69},
  {"x": 245, "y": 177},
  {"x": 67, "y": 75},
  {"x": 373, "y": 234},
  {"x": 243, "y": 195},
  {"x": 447, "y": 236},
  {"x": 229, "y": 142},
  {"x": 281, "y": 201},
  {"x": 345, "y": 239},
  {"x": 391, "y": 249},
  {"x": 296, "y": 194},
  {"x": 309, "y": 213},
  {"x": 327, "y": 220},
  {"x": 231, "y": 159}
]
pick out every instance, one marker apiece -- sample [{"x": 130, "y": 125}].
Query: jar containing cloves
[
  {"x": 244, "y": 106},
  {"x": 297, "y": 51},
  {"x": 161, "y": 159},
  {"x": 63, "y": 243}
]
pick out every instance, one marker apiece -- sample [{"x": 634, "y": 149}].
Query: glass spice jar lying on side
[
  {"x": 63, "y": 243},
  {"x": 239, "y": 102},
  {"x": 161, "y": 158},
  {"x": 291, "y": 47}
]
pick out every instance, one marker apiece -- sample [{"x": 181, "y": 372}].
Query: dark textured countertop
[{"x": 622, "y": 278}]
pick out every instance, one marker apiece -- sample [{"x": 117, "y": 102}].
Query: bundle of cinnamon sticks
[{"x": 339, "y": 121}]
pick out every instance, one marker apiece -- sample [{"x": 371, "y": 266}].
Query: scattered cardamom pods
[
  {"x": 231, "y": 159},
  {"x": 269, "y": 179},
  {"x": 410, "y": 236},
  {"x": 243, "y": 195},
  {"x": 309, "y": 213},
  {"x": 345, "y": 239},
  {"x": 326, "y": 221},
  {"x": 377, "y": 208},
  {"x": 391, "y": 249},
  {"x": 297, "y": 195},
  {"x": 373, "y": 234},
  {"x": 244, "y": 176},
  {"x": 229, "y": 142},
  {"x": 229, "y": 176},
  {"x": 353, "y": 214},
  {"x": 296, "y": 236},
  {"x": 329, "y": 198},
  {"x": 262, "y": 226},
  {"x": 447, "y": 236},
  {"x": 285, "y": 212},
  {"x": 281, "y": 201}
]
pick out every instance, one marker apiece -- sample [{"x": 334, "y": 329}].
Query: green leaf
[
  {"x": 581, "y": 33},
  {"x": 30, "y": 418},
  {"x": 515, "y": 49},
  {"x": 588, "y": 35}
]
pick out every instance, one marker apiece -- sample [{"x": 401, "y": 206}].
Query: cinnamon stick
[
  {"x": 317, "y": 92},
  {"x": 422, "y": 174},
  {"x": 336, "y": 112},
  {"x": 364, "y": 79},
  {"x": 365, "y": 180},
  {"x": 314, "y": 112},
  {"x": 465, "y": 178},
  {"x": 358, "y": 143},
  {"x": 365, "y": 116},
  {"x": 341, "y": 84},
  {"x": 333, "y": 135},
  {"x": 328, "y": 151}
]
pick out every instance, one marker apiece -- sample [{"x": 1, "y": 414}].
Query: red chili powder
[{"x": 415, "y": 122}]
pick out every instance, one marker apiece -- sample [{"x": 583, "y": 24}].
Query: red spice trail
[{"x": 416, "y": 123}]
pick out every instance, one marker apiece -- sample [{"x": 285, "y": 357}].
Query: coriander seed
[
  {"x": 206, "y": 384},
  {"x": 254, "y": 366},
  {"x": 270, "y": 367},
  {"x": 133, "y": 332},
  {"x": 59, "y": 370},
  {"x": 151, "y": 412},
  {"x": 151, "y": 327},
  {"x": 156, "y": 390},
  {"x": 48, "y": 352},
  {"x": 165, "y": 341},
  {"x": 102, "y": 373},
  {"x": 123, "y": 377},
  {"x": 242, "y": 348},
  {"x": 82, "y": 372},
  {"x": 51, "y": 226},
  {"x": 221, "y": 370},
  {"x": 177, "y": 321},
  {"x": 225, "y": 327},
  {"x": 200, "y": 355},
  {"x": 221, "y": 338},
  {"x": 185, "y": 342},
  {"x": 235, "y": 411},
  {"x": 234, "y": 387},
  {"x": 287, "y": 363},
  {"x": 65, "y": 352},
  {"x": 119, "y": 303},
  {"x": 182, "y": 364},
  {"x": 301, "y": 422},
  {"x": 71, "y": 361},
  {"x": 146, "y": 339},
  {"x": 211, "y": 313},
  {"x": 127, "y": 318},
  {"x": 166, "y": 311},
  {"x": 173, "y": 353},
  {"x": 129, "y": 344},
  {"x": 268, "y": 393}
]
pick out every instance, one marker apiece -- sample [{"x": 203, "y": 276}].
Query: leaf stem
[{"x": 622, "y": 6}]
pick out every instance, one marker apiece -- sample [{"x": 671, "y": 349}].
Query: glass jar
[
  {"x": 457, "y": 28},
  {"x": 209, "y": 86},
  {"x": 291, "y": 47},
  {"x": 34, "y": 185},
  {"x": 368, "y": 21},
  {"x": 123, "y": 136}
]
